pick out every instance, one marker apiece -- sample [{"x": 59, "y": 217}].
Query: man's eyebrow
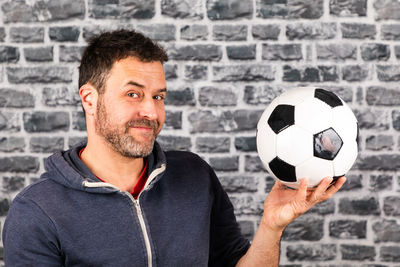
[
  {"x": 164, "y": 90},
  {"x": 135, "y": 84}
]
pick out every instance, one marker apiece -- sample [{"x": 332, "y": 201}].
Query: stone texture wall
[{"x": 229, "y": 59}]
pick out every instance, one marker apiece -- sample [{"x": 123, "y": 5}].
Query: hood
[{"x": 60, "y": 170}]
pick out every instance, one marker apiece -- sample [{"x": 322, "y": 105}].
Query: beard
[{"x": 119, "y": 138}]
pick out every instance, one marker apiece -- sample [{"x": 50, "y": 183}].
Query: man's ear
[{"x": 89, "y": 96}]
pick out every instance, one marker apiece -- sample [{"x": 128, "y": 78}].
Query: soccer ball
[{"x": 307, "y": 132}]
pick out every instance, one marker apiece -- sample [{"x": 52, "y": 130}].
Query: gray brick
[
  {"x": 355, "y": 73},
  {"x": 379, "y": 142},
  {"x": 13, "y": 183},
  {"x": 173, "y": 120},
  {"x": 375, "y": 52},
  {"x": 354, "y": 182},
  {"x": 323, "y": 208},
  {"x": 311, "y": 31},
  {"x": 225, "y": 164},
  {"x": 390, "y": 254},
  {"x": 285, "y": 52},
  {"x": 266, "y": 32},
  {"x": 39, "y": 74},
  {"x": 201, "y": 52},
  {"x": 2, "y": 34},
  {"x": 241, "y": 52},
  {"x": 21, "y": 11},
  {"x": 304, "y": 228},
  {"x": 348, "y": 8},
  {"x": 311, "y": 252},
  {"x": 40, "y": 121},
  {"x": 44, "y": 144},
  {"x": 61, "y": 96},
  {"x": 290, "y": 9},
  {"x": 39, "y": 54},
  {"x": 386, "y": 231},
  {"x": 390, "y": 32},
  {"x": 348, "y": 229},
  {"x": 139, "y": 9},
  {"x": 361, "y": 206},
  {"x": 358, "y": 30},
  {"x": 180, "y": 97},
  {"x": 19, "y": 164},
  {"x": 194, "y": 32},
  {"x": 196, "y": 72},
  {"x": 10, "y": 98},
  {"x": 247, "y": 228},
  {"x": 182, "y": 9},
  {"x": 12, "y": 144},
  {"x": 73, "y": 140},
  {"x": 239, "y": 184},
  {"x": 78, "y": 121},
  {"x": 213, "y": 144},
  {"x": 391, "y": 206},
  {"x": 27, "y": 34},
  {"x": 343, "y": 51},
  {"x": 357, "y": 252},
  {"x": 246, "y": 120},
  {"x": 175, "y": 142},
  {"x": 246, "y": 144},
  {"x": 380, "y": 96},
  {"x": 64, "y": 34},
  {"x": 4, "y": 206},
  {"x": 250, "y": 72},
  {"x": 70, "y": 53},
  {"x": 381, "y": 183},
  {"x": 387, "y": 9},
  {"x": 9, "y": 54},
  {"x": 247, "y": 205},
  {"x": 9, "y": 121},
  {"x": 396, "y": 119},
  {"x": 229, "y": 9},
  {"x": 229, "y": 32},
  {"x": 381, "y": 162},
  {"x": 368, "y": 119},
  {"x": 92, "y": 30},
  {"x": 159, "y": 32},
  {"x": 264, "y": 94},
  {"x": 310, "y": 74},
  {"x": 170, "y": 71},
  {"x": 213, "y": 96},
  {"x": 388, "y": 73},
  {"x": 253, "y": 164}
]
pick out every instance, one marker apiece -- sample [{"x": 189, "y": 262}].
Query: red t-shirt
[{"x": 139, "y": 184}]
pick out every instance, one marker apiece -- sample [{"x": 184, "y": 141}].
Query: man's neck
[{"x": 112, "y": 167}]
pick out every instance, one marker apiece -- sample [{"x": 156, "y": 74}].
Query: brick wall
[{"x": 229, "y": 59}]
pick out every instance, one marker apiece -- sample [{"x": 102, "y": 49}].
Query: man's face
[{"x": 130, "y": 113}]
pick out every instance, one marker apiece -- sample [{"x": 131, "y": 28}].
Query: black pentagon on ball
[
  {"x": 281, "y": 118},
  {"x": 328, "y": 97},
  {"x": 283, "y": 170},
  {"x": 327, "y": 144}
]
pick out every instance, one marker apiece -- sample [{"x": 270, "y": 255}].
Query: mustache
[{"x": 143, "y": 123}]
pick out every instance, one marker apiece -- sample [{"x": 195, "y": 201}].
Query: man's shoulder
[{"x": 184, "y": 157}]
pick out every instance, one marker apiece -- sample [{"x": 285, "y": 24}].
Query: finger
[
  {"x": 302, "y": 190},
  {"x": 335, "y": 186},
  {"x": 319, "y": 192}
]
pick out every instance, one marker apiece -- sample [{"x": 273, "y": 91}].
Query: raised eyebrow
[
  {"x": 135, "y": 84},
  {"x": 164, "y": 90}
]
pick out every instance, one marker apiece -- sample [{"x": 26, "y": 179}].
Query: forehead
[{"x": 148, "y": 73}]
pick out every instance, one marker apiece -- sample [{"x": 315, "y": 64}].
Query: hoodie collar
[{"x": 60, "y": 170}]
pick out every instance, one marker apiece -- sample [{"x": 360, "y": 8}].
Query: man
[{"x": 119, "y": 200}]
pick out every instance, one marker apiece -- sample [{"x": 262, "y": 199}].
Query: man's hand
[{"x": 283, "y": 205}]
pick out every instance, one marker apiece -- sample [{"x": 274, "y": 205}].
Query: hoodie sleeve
[
  {"x": 29, "y": 236},
  {"x": 227, "y": 244}
]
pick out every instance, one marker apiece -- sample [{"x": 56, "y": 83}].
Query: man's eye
[
  {"x": 159, "y": 97},
  {"x": 135, "y": 95}
]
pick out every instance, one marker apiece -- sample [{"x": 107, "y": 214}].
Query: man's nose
[{"x": 148, "y": 109}]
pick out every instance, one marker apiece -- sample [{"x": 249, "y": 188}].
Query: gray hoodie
[{"x": 183, "y": 217}]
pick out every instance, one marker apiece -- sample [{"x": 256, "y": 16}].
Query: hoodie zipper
[{"x": 137, "y": 206}]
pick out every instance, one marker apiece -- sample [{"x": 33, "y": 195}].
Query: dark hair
[{"x": 105, "y": 49}]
